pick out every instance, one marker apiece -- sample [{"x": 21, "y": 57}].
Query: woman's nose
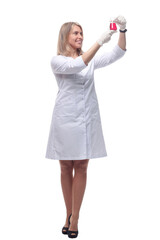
[{"x": 80, "y": 36}]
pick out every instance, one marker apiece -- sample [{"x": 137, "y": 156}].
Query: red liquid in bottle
[{"x": 113, "y": 26}]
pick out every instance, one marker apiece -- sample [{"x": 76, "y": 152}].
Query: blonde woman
[{"x": 75, "y": 132}]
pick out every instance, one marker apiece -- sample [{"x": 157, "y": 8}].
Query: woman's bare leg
[
  {"x": 66, "y": 183},
  {"x": 78, "y": 189}
]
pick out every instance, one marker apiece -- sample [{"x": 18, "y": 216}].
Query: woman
[{"x": 75, "y": 131}]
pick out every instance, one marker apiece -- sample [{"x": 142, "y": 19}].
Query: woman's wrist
[
  {"x": 122, "y": 40},
  {"x": 123, "y": 31}
]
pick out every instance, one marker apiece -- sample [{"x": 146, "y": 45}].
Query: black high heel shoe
[
  {"x": 70, "y": 233},
  {"x": 65, "y": 229}
]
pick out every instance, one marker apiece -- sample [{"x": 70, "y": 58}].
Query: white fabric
[{"x": 75, "y": 130}]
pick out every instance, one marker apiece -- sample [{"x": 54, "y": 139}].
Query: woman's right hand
[
  {"x": 121, "y": 22},
  {"x": 106, "y": 36}
]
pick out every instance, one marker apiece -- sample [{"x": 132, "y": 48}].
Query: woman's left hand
[{"x": 121, "y": 22}]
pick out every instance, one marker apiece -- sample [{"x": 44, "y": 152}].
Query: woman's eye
[{"x": 77, "y": 33}]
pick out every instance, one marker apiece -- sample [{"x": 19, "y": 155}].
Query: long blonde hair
[{"x": 63, "y": 47}]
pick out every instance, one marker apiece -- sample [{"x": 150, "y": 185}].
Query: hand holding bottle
[{"x": 120, "y": 21}]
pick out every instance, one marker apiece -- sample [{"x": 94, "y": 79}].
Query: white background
[{"x": 122, "y": 195}]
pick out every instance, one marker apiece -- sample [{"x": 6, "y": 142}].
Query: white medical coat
[{"x": 75, "y": 130}]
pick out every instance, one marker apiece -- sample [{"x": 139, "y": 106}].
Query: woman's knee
[
  {"x": 66, "y": 166},
  {"x": 81, "y": 165}
]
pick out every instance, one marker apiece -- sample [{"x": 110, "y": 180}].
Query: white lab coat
[{"x": 75, "y": 129}]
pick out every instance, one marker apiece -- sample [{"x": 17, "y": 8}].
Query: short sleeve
[
  {"x": 107, "y": 58},
  {"x": 67, "y": 65}
]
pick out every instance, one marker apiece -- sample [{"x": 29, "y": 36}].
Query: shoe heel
[
  {"x": 69, "y": 219},
  {"x": 65, "y": 229}
]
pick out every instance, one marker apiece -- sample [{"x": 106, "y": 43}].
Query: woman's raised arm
[
  {"x": 121, "y": 21},
  {"x": 105, "y": 37},
  {"x": 122, "y": 41}
]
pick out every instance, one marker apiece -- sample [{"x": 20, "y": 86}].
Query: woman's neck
[{"x": 73, "y": 53}]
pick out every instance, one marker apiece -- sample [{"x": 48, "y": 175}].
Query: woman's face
[{"x": 75, "y": 37}]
